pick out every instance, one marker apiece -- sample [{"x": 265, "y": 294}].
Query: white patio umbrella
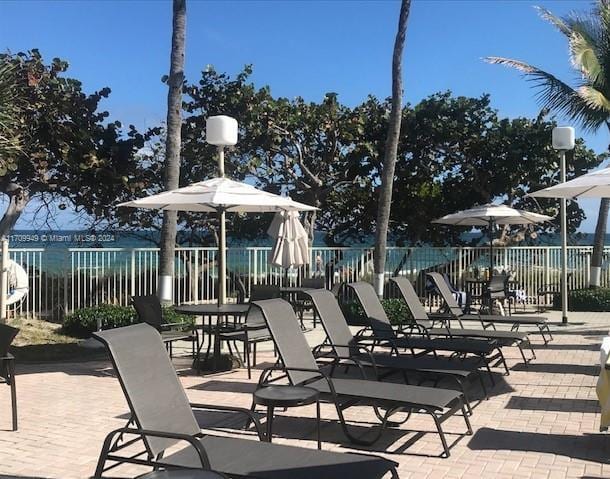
[
  {"x": 592, "y": 185},
  {"x": 291, "y": 247},
  {"x": 219, "y": 195},
  {"x": 490, "y": 215}
]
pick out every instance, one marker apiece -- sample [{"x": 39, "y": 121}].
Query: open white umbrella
[
  {"x": 490, "y": 215},
  {"x": 592, "y": 185},
  {"x": 291, "y": 247},
  {"x": 219, "y": 195}
]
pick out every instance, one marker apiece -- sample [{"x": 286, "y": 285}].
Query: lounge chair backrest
[
  {"x": 148, "y": 309},
  {"x": 407, "y": 291},
  {"x": 373, "y": 309},
  {"x": 288, "y": 337},
  {"x": 259, "y": 292},
  {"x": 445, "y": 292},
  {"x": 332, "y": 318},
  {"x": 153, "y": 391},
  {"x": 7, "y": 334}
]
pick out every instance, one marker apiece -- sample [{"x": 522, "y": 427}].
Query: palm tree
[
  {"x": 588, "y": 101},
  {"x": 172, "y": 149},
  {"x": 391, "y": 149}
]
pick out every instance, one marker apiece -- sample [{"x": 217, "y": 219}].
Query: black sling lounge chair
[
  {"x": 381, "y": 332},
  {"x": 301, "y": 369},
  {"x": 515, "y": 321},
  {"x": 345, "y": 347},
  {"x": 423, "y": 321},
  {"x": 7, "y": 366},
  {"x": 162, "y": 418}
]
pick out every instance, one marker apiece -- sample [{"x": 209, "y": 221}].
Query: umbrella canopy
[
  {"x": 497, "y": 214},
  {"x": 592, "y": 185},
  {"x": 490, "y": 214},
  {"x": 219, "y": 194},
  {"x": 291, "y": 248}
]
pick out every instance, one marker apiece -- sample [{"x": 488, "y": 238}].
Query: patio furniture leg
[
  {"x": 269, "y": 422},
  {"x": 11, "y": 379},
  {"x": 247, "y": 355},
  {"x": 439, "y": 428}
]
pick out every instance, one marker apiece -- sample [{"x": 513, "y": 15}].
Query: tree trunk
[
  {"x": 172, "y": 149},
  {"x": 598, "y": 243},
  {"x": 18, "y": 199},
  {"x": 391, "y": 148}
]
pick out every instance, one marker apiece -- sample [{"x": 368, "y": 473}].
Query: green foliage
[
  {"x": 453, "y": 153},
  {"x": 83, "y": 322},
  {"x": 592, "y": 299},
  {"x": 11, "y": 97},
  {"x": 396, "y": 309},
  {"x": 69, "y": 151}
]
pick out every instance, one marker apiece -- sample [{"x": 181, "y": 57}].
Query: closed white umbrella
[
  {"x": 592, "y": 185},
  {"x": 490, "y": 215},
  {"x": 219, "y": 195},
  {"x": 291, "y": 247}
]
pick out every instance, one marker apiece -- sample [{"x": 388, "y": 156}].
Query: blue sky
[{"x": 301, "y": 48}]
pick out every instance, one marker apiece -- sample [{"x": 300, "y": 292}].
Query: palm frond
[
  {"x": 583, "y": 56},
  {"x": 553, "y": 20},
  {"x": 594, "y": 98},
  {"x": 556, "y": 95}
]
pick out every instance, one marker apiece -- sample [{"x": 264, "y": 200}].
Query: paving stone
[{"x": 541, "y": 421}]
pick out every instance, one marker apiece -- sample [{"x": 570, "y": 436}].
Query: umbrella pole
[
  {"x": 491, "y": 248},
  {"x": 564, "y": 246},
  {"x": 222, "y": 240},
  {"x": 222, "y": 259}
]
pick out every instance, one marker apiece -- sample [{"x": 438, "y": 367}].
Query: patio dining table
[{"x": 219, "y": 311}]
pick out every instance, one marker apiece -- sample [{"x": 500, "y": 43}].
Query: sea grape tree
[{"x": 69, "y": 154}]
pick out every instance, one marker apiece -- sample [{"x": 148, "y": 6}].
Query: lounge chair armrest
[
  {"x": 193, "y": 440},
  {"x": 318, "y": 372},
  {"x": 332, "y": 353},
  {"x": 176, "y": 326},
  {"x": 414, "y": 328},
  {"x": 254, "y": 327},
  {"x": 246, "y": 412}
]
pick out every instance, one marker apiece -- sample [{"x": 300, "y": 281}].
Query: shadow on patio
[
  {"x": 568, "y": 347},
  {"x": 553, "y": 404},
  {"x": 588, "y": 447},
  {"x": 557, "y": 368}
]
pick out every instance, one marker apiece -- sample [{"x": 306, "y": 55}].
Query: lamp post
[
  {"x": 221, "y": 131},
  {"x": 563, "y": 140}
]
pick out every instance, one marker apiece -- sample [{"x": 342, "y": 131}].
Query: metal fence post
[{"x": 133, "y": 273}]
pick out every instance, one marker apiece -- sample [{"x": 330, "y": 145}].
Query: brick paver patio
[{"x": 542, "y": 421}]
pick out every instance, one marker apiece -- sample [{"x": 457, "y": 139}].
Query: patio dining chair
[
  {"x": 162, "y": 419},
  {"x": 7, "y": 366},
  {"x": 149, "y": 311},
  {"x": 302, "y": 302},
  {"x": 251, "y": 332},
  {"x": 264, "y": 291},
  {"x": 301, "y": 369}
]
